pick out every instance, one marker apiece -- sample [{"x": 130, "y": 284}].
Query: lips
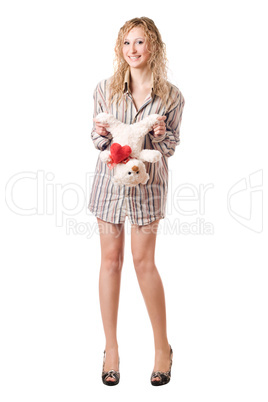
[{"x": 134, "y": 57}]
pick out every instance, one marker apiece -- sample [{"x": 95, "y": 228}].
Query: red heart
[{"x": 119, "y": 153}]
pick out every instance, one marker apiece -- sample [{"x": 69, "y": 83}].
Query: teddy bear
[{"x": 126, "y": 155}]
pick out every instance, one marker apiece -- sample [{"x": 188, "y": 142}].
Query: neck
[{"x": 140, "y": 77}]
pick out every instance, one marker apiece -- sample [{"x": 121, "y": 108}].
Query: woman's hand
[
  {"x": 159, "y": 128},
  {"x": 101, "y": 128}
]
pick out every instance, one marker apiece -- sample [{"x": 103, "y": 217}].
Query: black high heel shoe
[
  {"x": 164, "y": 376},
  {"x": 111, "y": 373}
]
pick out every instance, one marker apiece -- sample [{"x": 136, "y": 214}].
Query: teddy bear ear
[{"x": 146, "y": 178}]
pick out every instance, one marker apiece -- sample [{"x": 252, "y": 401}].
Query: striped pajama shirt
[{"x": 143, "y": 203}]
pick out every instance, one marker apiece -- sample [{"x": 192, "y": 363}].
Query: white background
[{"x": 53, "y": 54}]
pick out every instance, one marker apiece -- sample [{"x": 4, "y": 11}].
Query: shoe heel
[
  {"x": 111, "y": 373},
  {"x": 163, "y": 375}
]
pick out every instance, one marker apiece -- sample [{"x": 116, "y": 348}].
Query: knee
[
  {"x": 143, "y": 265},
  {"x": 112, "y": 262}
]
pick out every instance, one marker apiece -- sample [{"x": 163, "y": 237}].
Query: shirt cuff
[
  {"x": 159, "y": 138},
  {"x": 109, "y": 136}
]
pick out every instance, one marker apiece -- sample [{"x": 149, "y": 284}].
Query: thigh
[
  {"x": 143, "y": 240},
  {"x": 112, "y": 239}
]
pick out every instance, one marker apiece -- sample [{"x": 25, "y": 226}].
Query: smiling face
[{"x": 135, "y": 48}]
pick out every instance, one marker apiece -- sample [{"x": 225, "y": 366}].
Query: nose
[
  {"x": 135, "y": 168},
  {"x": 133, "y": 48}
]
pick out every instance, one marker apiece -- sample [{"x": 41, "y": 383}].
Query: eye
[
  {"x": 137, "y": 172},
  {"x": 126, "y": 43},
  {"x": 129, "y": 172},
  {"x": 140, "y": 42}
]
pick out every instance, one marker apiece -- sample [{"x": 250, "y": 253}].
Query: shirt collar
[{"x": 127, "y": 80}]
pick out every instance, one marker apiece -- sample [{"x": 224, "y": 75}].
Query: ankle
[
  {"x": 162, "y": 347},
  {"x": 111, "y": 347}
]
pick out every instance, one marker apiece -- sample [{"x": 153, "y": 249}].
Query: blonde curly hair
[{"x": 157, "y": 61}]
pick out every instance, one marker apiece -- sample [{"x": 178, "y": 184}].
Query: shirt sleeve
[
  {"x": 167, "y": 143},
  {"x": 100, "y": 141}
]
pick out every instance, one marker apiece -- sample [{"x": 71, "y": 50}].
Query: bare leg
[
  {"x": 143, "y": 239},
  {"x": 112, "y": 239}
]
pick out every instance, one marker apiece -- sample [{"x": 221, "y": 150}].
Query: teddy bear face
[{"x": 130, "y": 174}]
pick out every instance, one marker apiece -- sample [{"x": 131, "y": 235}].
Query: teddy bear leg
[{"x": 150, "y": 155}]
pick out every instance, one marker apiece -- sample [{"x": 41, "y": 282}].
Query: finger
[
  {"x": 102, "y": 132},
  {"x": 162, "y": 129},
  {"x": 159, "y": 132},
  {"x": 162, "y": 118},
  {"x": 100, "y": 124},
  {"x": 160, "y": 124}
]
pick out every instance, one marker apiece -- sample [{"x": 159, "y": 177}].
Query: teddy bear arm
[
  {"x": 150, "y": 155},
  {"x": 105, "y": 156}
]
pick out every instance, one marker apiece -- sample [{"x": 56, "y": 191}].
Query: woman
[{"x": 139, "y": 87}]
